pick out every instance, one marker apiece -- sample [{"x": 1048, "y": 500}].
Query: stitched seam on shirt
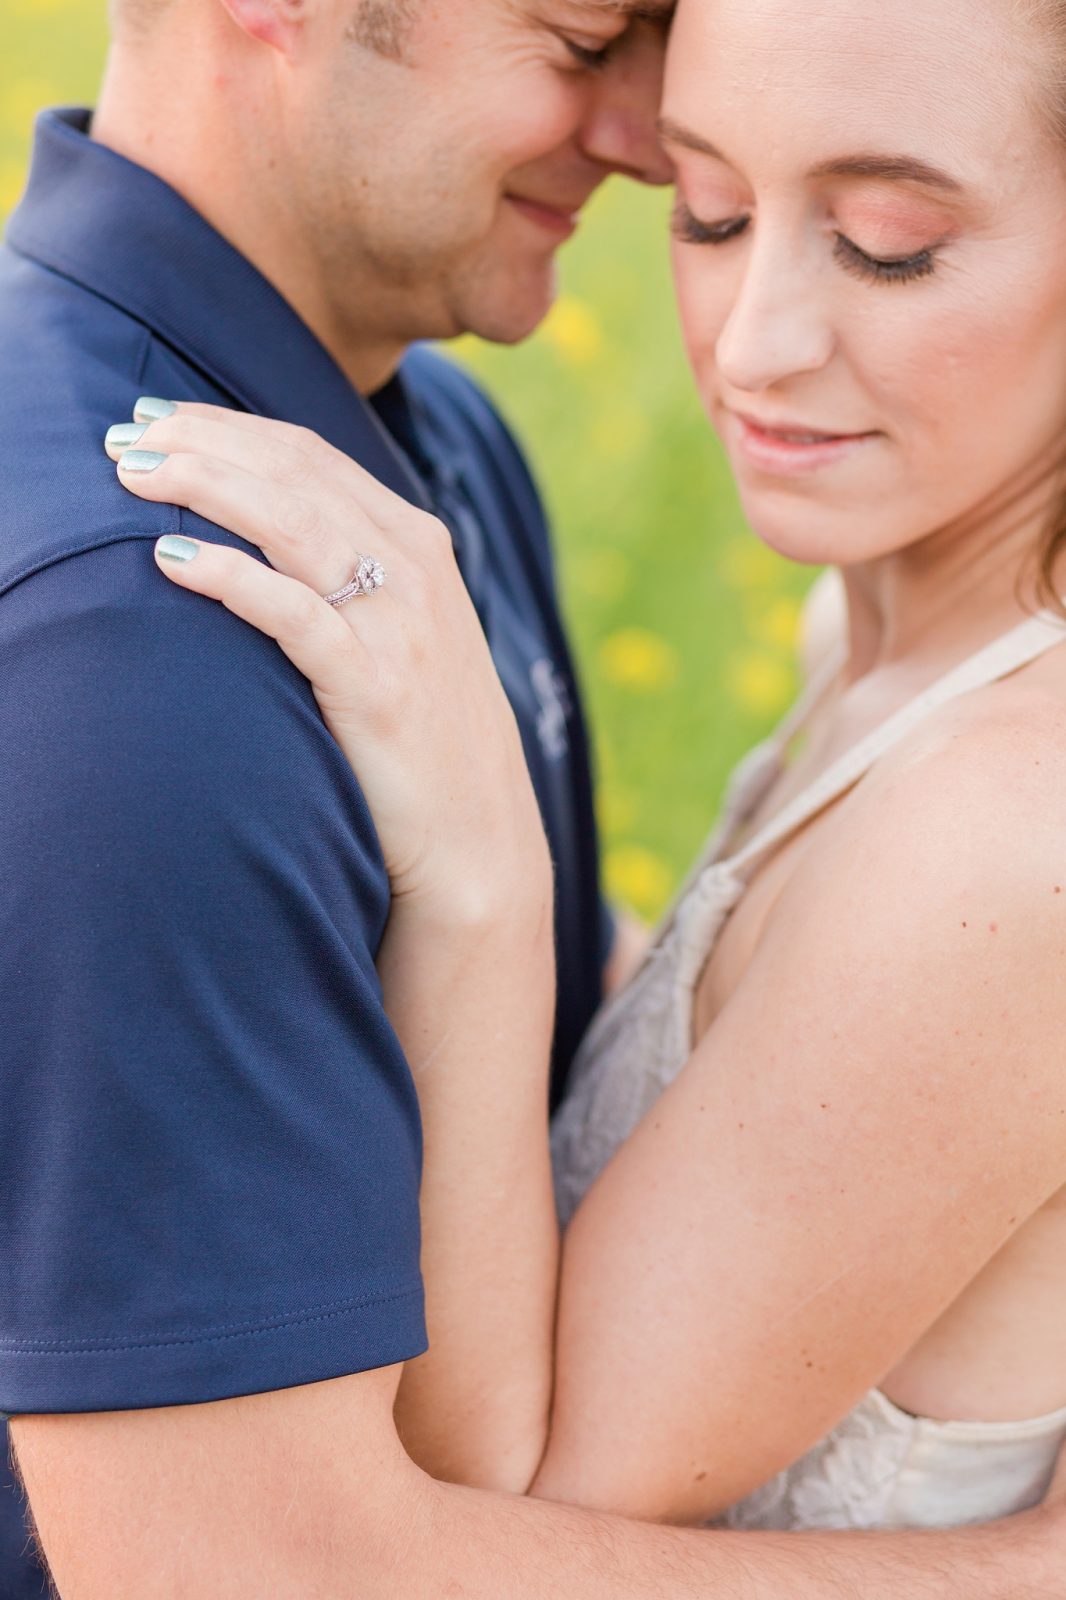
[
  {"x": 78, "y": 550},
  {"x": 44, "y": 256},
  {"x": 238, "y": 1331}
]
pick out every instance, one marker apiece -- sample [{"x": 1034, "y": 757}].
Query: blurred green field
[{"x": 684, "y": 625}]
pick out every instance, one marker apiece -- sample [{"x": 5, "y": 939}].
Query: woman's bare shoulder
[
  {"x": 946, "y": 866},
  {"x": 979, "y": 785}
]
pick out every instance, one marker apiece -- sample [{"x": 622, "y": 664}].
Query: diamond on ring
[{"x": 368, "y": 576}]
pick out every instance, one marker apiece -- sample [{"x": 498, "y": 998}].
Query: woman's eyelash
[
  {"x": 904, "y": 270},
  {"x": 689, "y": 230}
]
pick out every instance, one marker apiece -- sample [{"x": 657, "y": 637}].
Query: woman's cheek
[{"x": 704, "y": 298}]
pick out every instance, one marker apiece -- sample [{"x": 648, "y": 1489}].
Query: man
[
  {"x": 210, "y": 1248},
  {"x": 378, "y": 227}
]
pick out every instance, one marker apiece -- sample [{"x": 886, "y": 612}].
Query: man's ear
[{"x": 273, "y": 22}]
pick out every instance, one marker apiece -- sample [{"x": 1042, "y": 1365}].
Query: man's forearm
[
  {"x": 337, "y": 1511},
  {"x": 492, "y": 1548}
]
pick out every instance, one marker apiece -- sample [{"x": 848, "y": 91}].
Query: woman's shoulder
[
  {"x": 995, "y": 757},
  {"x": 926, "y": 923},
  {"x": 959, "y": 829}
]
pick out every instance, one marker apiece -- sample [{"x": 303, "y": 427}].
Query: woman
[{"x": 816, "y": 1152}]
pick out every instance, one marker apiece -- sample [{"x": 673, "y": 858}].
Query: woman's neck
[{"x": 945, "y": 596}]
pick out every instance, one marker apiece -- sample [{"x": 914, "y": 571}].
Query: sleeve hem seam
[{"x": 86, "y": 1347}]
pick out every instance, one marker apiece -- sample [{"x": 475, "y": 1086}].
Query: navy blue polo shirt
[{"x": 211, "y": 1141}]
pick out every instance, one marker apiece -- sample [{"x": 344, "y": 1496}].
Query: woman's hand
[{"x": 404, "y": 677}]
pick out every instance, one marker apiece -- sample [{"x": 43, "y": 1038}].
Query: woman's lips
[{"x": 792, "y": 450}]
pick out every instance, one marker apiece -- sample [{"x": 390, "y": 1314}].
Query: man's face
[{"x": 439, "y": 165}]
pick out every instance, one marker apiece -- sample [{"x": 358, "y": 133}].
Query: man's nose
[
  {"x": 777, "y": 327},
  {"x": 619, "y": 130}
]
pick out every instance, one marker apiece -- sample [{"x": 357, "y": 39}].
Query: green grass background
[{"x": 684, "y": 626}]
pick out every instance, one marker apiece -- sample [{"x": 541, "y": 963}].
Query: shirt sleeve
[{"x": 211, "y": 1146}]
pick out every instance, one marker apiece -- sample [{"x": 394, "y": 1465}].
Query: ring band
[{"x": 368, "y": 576}]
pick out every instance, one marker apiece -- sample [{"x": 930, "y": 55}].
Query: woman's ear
[{"x": 273, "y": 22}]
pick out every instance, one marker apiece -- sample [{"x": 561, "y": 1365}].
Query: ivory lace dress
[{"x": 881, "y": 1467}]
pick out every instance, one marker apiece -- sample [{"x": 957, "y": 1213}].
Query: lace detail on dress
[
  {"x": 646, "y": 1023},
  {"x": 846, "y": 1481}
]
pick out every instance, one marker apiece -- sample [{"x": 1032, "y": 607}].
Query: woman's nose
[
  {"x": 620, "y": 127},
  {"x": 777, "y": 327}
]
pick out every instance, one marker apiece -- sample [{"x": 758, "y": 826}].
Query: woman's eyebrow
[
  {"x": 673, "y": 133},
  {"x": 899, "y": 169}
]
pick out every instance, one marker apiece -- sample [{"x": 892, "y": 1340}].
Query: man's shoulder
[{"x": 70, "y": 365}]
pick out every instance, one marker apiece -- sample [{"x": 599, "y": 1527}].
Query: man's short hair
[{"x": 379, "y": 25}]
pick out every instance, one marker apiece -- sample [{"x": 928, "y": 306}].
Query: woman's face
[{"x": 871, "y": 262}]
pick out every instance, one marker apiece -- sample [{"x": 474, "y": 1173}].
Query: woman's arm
[
  {"x": 878, "y": 1108},
  {"x": 406, "y": 683},
  {"x": 471, "y": 998}
]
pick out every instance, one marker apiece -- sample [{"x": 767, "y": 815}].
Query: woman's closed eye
[
  {"x": 876, "y": 269},
  {"x": 689, "y": 229}
]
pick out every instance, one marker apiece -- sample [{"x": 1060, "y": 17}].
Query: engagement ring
[{"x": 369, "y": 575}]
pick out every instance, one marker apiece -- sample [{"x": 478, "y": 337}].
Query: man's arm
[{"x": 307, "y": 1493}]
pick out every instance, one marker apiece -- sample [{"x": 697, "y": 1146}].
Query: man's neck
[{"x": 194, "y": 143}]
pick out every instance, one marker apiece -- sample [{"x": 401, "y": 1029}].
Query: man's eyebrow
[
  {"x": 898, "y": 169},
  {"x": 637, "y": 10}
]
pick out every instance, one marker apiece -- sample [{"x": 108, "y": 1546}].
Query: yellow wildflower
[
  {"x": 638, "y": 878},
  {"x": 633, "y": 658},
  {"x": 763, "y": 684},
  {"x": 574, "y": 329},
  {"x": 774, "y": 621}
]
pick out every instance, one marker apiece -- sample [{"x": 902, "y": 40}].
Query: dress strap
[{"x": 1023, "y": 644}]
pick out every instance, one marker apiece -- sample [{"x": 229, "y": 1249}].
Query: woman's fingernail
[
  {"x": 123, "y": 434},
  {"x": 172, "y": 547},
  {"x": 149, "y": 409},
  {"x": 140, "y": 461}
]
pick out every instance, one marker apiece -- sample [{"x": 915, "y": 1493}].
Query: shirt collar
[{"x": 121, "y": 232}]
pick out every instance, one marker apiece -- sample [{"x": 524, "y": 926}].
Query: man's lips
[
  {"x": 790, "y": 448},
  {"x": 558, "y": 219}
]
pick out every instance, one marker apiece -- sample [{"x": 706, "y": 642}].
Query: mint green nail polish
[
  {"x": 123, "y": 434},
  {"x": 149, "y": 409},
  {"x": 140, "y": 461},
  {"x": 172, "y": 547}
]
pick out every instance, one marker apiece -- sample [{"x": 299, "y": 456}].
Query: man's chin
[{"x": 514, "y": 309}]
